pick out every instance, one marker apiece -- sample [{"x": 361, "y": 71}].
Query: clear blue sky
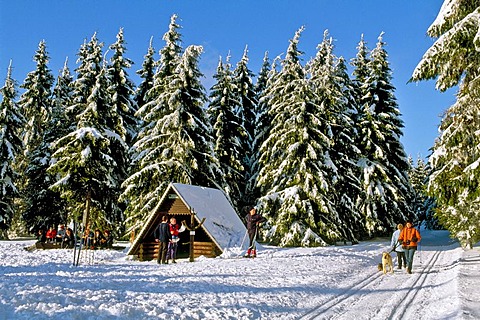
[{"x": 228, "y": 26}]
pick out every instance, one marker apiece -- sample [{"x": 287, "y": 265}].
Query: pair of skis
[{"x": 79, "y": 244}]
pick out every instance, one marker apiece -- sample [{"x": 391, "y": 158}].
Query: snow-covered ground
[{"x": 282, "y": 283}]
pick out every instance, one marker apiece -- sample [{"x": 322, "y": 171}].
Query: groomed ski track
[{"x": 365, "y": 299}]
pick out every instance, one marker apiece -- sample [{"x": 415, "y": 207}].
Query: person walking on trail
[
  {"x": 163, "y": 237},
  {"x": 397, "y": 247},
  {"x": 410, "y": 237},
  {"x": 253, "y": 221}
]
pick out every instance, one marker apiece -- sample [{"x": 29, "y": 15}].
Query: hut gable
[{"x": 222, "y": 225}]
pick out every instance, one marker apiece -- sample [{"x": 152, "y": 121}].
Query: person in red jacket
[
  {"x": 173, "y": 244},
  {"x": 51, "y": 235},
  {"x": 409, "y": 237}
]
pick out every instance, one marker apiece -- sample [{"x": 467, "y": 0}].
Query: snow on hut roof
[
  {"x": 222, "y": 223},
  {"x": 221, "y": 220}
]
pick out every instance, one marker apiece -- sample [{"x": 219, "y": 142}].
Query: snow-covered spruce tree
[
  {"x": 147, "y": 74},
  {"x": 335, "y": 94},
  {"x": 187, "y": 144},
  {"x": 454, "y": 60},
  {"x": 145, "y": 183},
  {"x": 422, "y": 204},
  {"x": 384, "y": 164},
  {"x": 296, "y": 170},
  {"x": 122, "y": 89},
  {"x": 84, "y": 163},
  {"x": 36, "y": 104},
  {"x": 262, "y": 128},
  {"x": 85, "y": 159},
  {"x": 89, "y": 64},
  {"x": 228, "y": 132},
  {"x": 46, "y": 207},
  {"x": 10, "y": 146},
  {"x": 61, "y": 121},
  {"x": 246, "y": 112}
]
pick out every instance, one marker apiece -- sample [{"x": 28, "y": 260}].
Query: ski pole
[
  {"x": 243, "y": 241},
  {"x": 75, "y": 241},
  {"x": 420, "y": 249}
]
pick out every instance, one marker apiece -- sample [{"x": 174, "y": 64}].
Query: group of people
[
  {"x": 63, "y": 236},
  {"x": 405, "y": 242},
  {"x": 167, "y": 235},
  {"x": 66, "y": 238},
  {"x": 97, "y": 239}
]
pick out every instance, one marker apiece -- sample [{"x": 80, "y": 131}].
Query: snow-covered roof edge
[
  {"x": 148, "y": 222},
  {"x": 222, "y": 224},
  {"x": 196, "y": 216}
]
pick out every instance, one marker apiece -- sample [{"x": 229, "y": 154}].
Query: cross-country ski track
[
  {"x": 365, "y": 299},
  {"x": 335, "y": 282}
]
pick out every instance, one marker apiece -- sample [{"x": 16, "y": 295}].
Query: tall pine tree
[
  {"x": 36, "y": 103},
  {"x": 454, "y": 60},
  {"x": 122, "y": 88},
  {"x": 262, "y": 128},
  {"x": 147, "y": 74},
  {"x": 384, "y": 165},
  {"x": 246, "y": 112},
  {"x": 85, "y": 159},
  {"x": 228, "y": 132},
  {"x": 334, "y": 90},
  {"x": 296, "y": 170},
  {"x": 10, "y": 146},
  {"x": 144, "y": 185}
]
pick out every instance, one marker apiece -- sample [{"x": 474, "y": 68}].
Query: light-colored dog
[{"x": 387, "y": 264}]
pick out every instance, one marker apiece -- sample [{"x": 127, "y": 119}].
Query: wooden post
[{"x": 192, "y": 229}]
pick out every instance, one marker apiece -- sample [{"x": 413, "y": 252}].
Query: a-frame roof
[{"x": 222, "y": 223}]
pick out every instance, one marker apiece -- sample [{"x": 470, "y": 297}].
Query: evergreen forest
[{"x": 315, "y": 144}]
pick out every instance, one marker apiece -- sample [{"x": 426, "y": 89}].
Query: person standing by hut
[
  {"x": 173, "y": 244},
  {"x": 253, "y": 221},
  {"x": 163, "y": 237}
]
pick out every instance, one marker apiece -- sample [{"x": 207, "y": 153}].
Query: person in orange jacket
[{"x": 409, "y": 237}]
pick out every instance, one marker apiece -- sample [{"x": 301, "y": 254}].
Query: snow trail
[
  {"x": 338, "y": 282},
  {"x": 399, "y": 295}
]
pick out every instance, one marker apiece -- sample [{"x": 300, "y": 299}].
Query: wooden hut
[{"x": 221, "y": 229}]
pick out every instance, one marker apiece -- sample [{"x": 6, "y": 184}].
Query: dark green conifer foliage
[
  {"x": 122, "y": 89},
  {"x": 47, "y": 207},
  {"x": 453, "y": 60},
  {"x": 335, "y": 93},
  {"x": 188, "y": 141},
  {"x": 261, "y": 129},
  {"x": 10, "y": 146},
  {"x": 423, "y": 206},
  {"x": 246, "y": 112},
  {"x": 85, "y": 158},
  {"x": 386, "y": 189},
  {"x": 145, "y": 183},
  {"x": 147, "y": 74},
  {"x": 228, "y": 132},
  {"x": 36, "y": 105},
  {"x": 296, "y": 171}
]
